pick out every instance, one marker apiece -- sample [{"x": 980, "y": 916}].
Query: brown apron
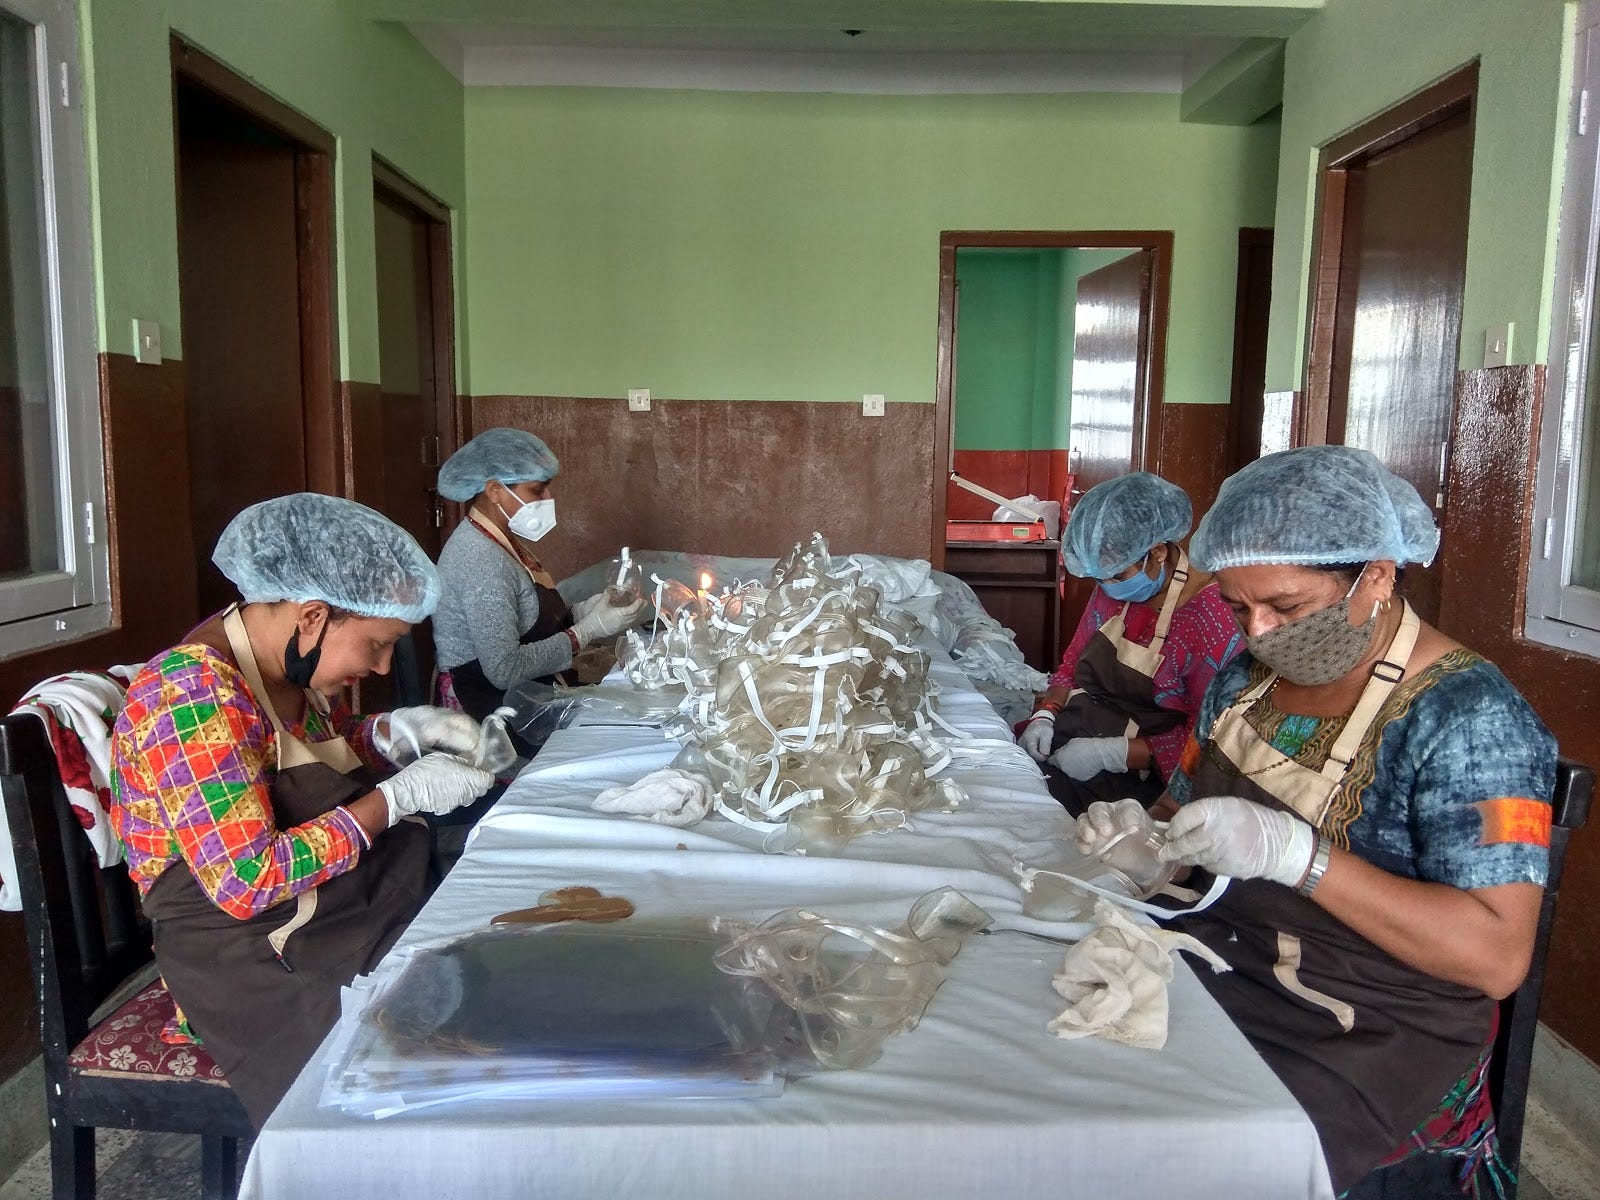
[
  {"x": 479, "y": 697},
  {"x": 1114, "y": 695},
  {"x": 1367, "y": 1044},
  {"x": 261, "y": 993}
]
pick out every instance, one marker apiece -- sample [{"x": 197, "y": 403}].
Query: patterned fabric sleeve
[
  {"x": 1480, "y": 769},
  {"x": 193, "y": 755},
  {"x": 358, "y": 731},
  {"x": 1095, "y": 614},
  {"x": 1203, "y": 638}
]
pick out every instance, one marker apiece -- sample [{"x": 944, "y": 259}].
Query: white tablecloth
[{"x": 978, "y": 1100}]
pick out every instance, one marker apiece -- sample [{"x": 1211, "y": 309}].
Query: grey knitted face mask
[{"x": 1319, "y": 648}]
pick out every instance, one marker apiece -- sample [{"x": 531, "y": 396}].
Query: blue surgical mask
[{"x": 1137, "y": 587}]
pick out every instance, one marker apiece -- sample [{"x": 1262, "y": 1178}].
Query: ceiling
[{"x": 901, "y": 45}]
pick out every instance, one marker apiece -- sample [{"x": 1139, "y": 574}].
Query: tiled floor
[{"x": 160, "y": 1166}]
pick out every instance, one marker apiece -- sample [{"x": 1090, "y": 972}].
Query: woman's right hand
[{"x": 1107, "y": 819}]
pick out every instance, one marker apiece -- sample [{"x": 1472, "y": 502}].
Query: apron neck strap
[
  {"x": 489, "y": 531},
  {"x": 1180, "y": 577},
  {"x": 243, "y": 654},
  {"x": 1386, "y": 673}
]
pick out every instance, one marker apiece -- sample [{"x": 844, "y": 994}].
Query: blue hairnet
[
  {"x": 1315, "y": 505},
  {"x": 508, "y": 455},
  {"x": 1118, "y": 521},
  {"x": 313, "y": 547}
]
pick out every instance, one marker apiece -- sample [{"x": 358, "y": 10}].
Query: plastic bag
[{"x": 535, "y": 710}]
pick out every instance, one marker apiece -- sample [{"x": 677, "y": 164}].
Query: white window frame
[{"x": 66, "y": 604}]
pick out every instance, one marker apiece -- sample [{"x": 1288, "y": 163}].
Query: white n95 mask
[{"x": 534, "y": 519}]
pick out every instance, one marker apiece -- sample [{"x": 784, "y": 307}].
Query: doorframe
[
  {"x": 1147, "y": 424},
  {"x": 1431, "y": 106},
  {"x": 327, "y": 419},
  {"x": 448, "y": 415}
]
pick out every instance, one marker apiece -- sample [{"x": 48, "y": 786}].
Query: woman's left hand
[
  {"x": 1085, "y": 757},
  {"x": 1228, "y": 835},
  {"x": 423, "y": 728}
]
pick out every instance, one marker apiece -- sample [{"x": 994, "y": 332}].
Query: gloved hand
[
  {"x": 1106, "y": 819},
  {"x": 584, "y": 607},
  {"x": 435, "y": 783},
  {"x": 1036, "y": 736},
  {"x": 1228, "y": 835},
  {"x": 604, "y": 621},
  {"x": 1085, "y": 757},
  {"x": 416, "y": 731}
]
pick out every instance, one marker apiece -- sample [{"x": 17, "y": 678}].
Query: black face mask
[{"x": 299, "y": 668}]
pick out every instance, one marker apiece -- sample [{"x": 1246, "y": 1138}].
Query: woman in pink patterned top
[{"x": 1121, "y": 705}]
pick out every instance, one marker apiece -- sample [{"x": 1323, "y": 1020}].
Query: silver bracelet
[{"x": 1318, "y": 867}]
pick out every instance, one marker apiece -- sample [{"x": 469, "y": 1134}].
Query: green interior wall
[
  {"x": 371, "y": 85},
  {"x": 1336, "y": 77},
  {"x": 786, "y": 246}
]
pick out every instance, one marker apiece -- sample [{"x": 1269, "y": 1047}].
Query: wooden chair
[
  {"x": 86, "y": 938},
  {"x": 1519, "y": 1012}
]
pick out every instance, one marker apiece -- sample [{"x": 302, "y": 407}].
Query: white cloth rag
[
  {"x": 669, "y": 796},
  {"x": 1115, "y": 980},
  {"x": 81, "y": 706}
]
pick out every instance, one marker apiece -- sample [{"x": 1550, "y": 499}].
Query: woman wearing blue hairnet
[
  {"x": 240, "y": 786},
  {"x": 1121, "y": 704},
  {"x": 1380, "y": 796},
  {"x": 501, "y": 621}
]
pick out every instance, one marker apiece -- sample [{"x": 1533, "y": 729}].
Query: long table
[{"x": 978, "y": 1100}]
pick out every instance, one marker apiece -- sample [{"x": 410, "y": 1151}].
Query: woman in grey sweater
[{"x": 500, "y": 619}]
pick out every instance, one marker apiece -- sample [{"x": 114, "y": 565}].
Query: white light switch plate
[
  {"x": 872, "y": 405},
  {"x": 1497, "y": 344},
  {"x": 638, "y": 399},
  {"x": 146, "y": 341}
]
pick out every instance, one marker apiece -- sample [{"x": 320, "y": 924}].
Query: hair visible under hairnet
[
  {"x": 1117, "y": 522},
  {"x": 508, "y": 455},
  {"x": 1315, "y": 506},
  {"x": 313, "y": 547}
]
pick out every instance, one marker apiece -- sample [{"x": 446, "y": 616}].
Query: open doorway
[
  {"x": 1050, "y": 373},
  {"x": 255, "y": 251}
]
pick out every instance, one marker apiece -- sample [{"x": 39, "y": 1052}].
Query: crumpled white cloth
[
  {"x": 669, "y": 796},
  {"x": 1115, "y": 980}
]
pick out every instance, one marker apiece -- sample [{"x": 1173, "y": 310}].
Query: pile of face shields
[
  {"x": 807, "y": 705},
  {"x": 847, "y": 986},
  {"x": 692, "y": 1008}
]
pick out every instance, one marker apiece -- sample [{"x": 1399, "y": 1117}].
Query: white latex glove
[
  {"x": 435, "y": 783},
  {"x": 1085, "y": 757},
  {"x": 604, "y": 621},
  {"x": 583, "y": 608},
  {"x": 1106, "y": 819},
  {"x": 413, "y": 732},
  {"x": 1037, "y": 734},
  {"x": 1228, "y": 835}
]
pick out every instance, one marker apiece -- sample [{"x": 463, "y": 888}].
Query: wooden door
[
  {"x": 1252, "y": 302},
  {"x": 1391, "y": 270},
  {"x": 1111, "y": 330},
  {"x": 408, "y": 379},
  {"x": 240, "y": 285},
  {"x": 1398, "y": 321}
]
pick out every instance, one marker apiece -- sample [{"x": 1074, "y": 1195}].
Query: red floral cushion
[{"x": 129, "y": 1042}]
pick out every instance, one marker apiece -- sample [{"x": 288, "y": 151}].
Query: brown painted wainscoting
[
  {"x": 152, "y": 578},
  {"x": 745, "y": 478},
  {"x": 1195, "y": 452},
  {"x": 1489, "y": 509}
]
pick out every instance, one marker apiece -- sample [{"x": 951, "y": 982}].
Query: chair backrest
[
  {"x": 85, "y": 931},
  {"x": 1519, "y": 1012}
]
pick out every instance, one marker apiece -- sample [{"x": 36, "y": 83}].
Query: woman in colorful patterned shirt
[
  {"x": 1380, "y": 796},
  {"x": 1123, "y": 701},
  {"x": 239, "y": 787}
]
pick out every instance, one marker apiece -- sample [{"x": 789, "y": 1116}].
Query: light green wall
[
  {"x": 786, "y": 247},
  {"x": 1358, "y": 57},
  {"x": 372, "y": 86},
  {"x": 999, "y": 328}
]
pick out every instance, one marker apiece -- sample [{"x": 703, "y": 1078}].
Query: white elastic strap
[{"x": 1026, "y": 876}]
